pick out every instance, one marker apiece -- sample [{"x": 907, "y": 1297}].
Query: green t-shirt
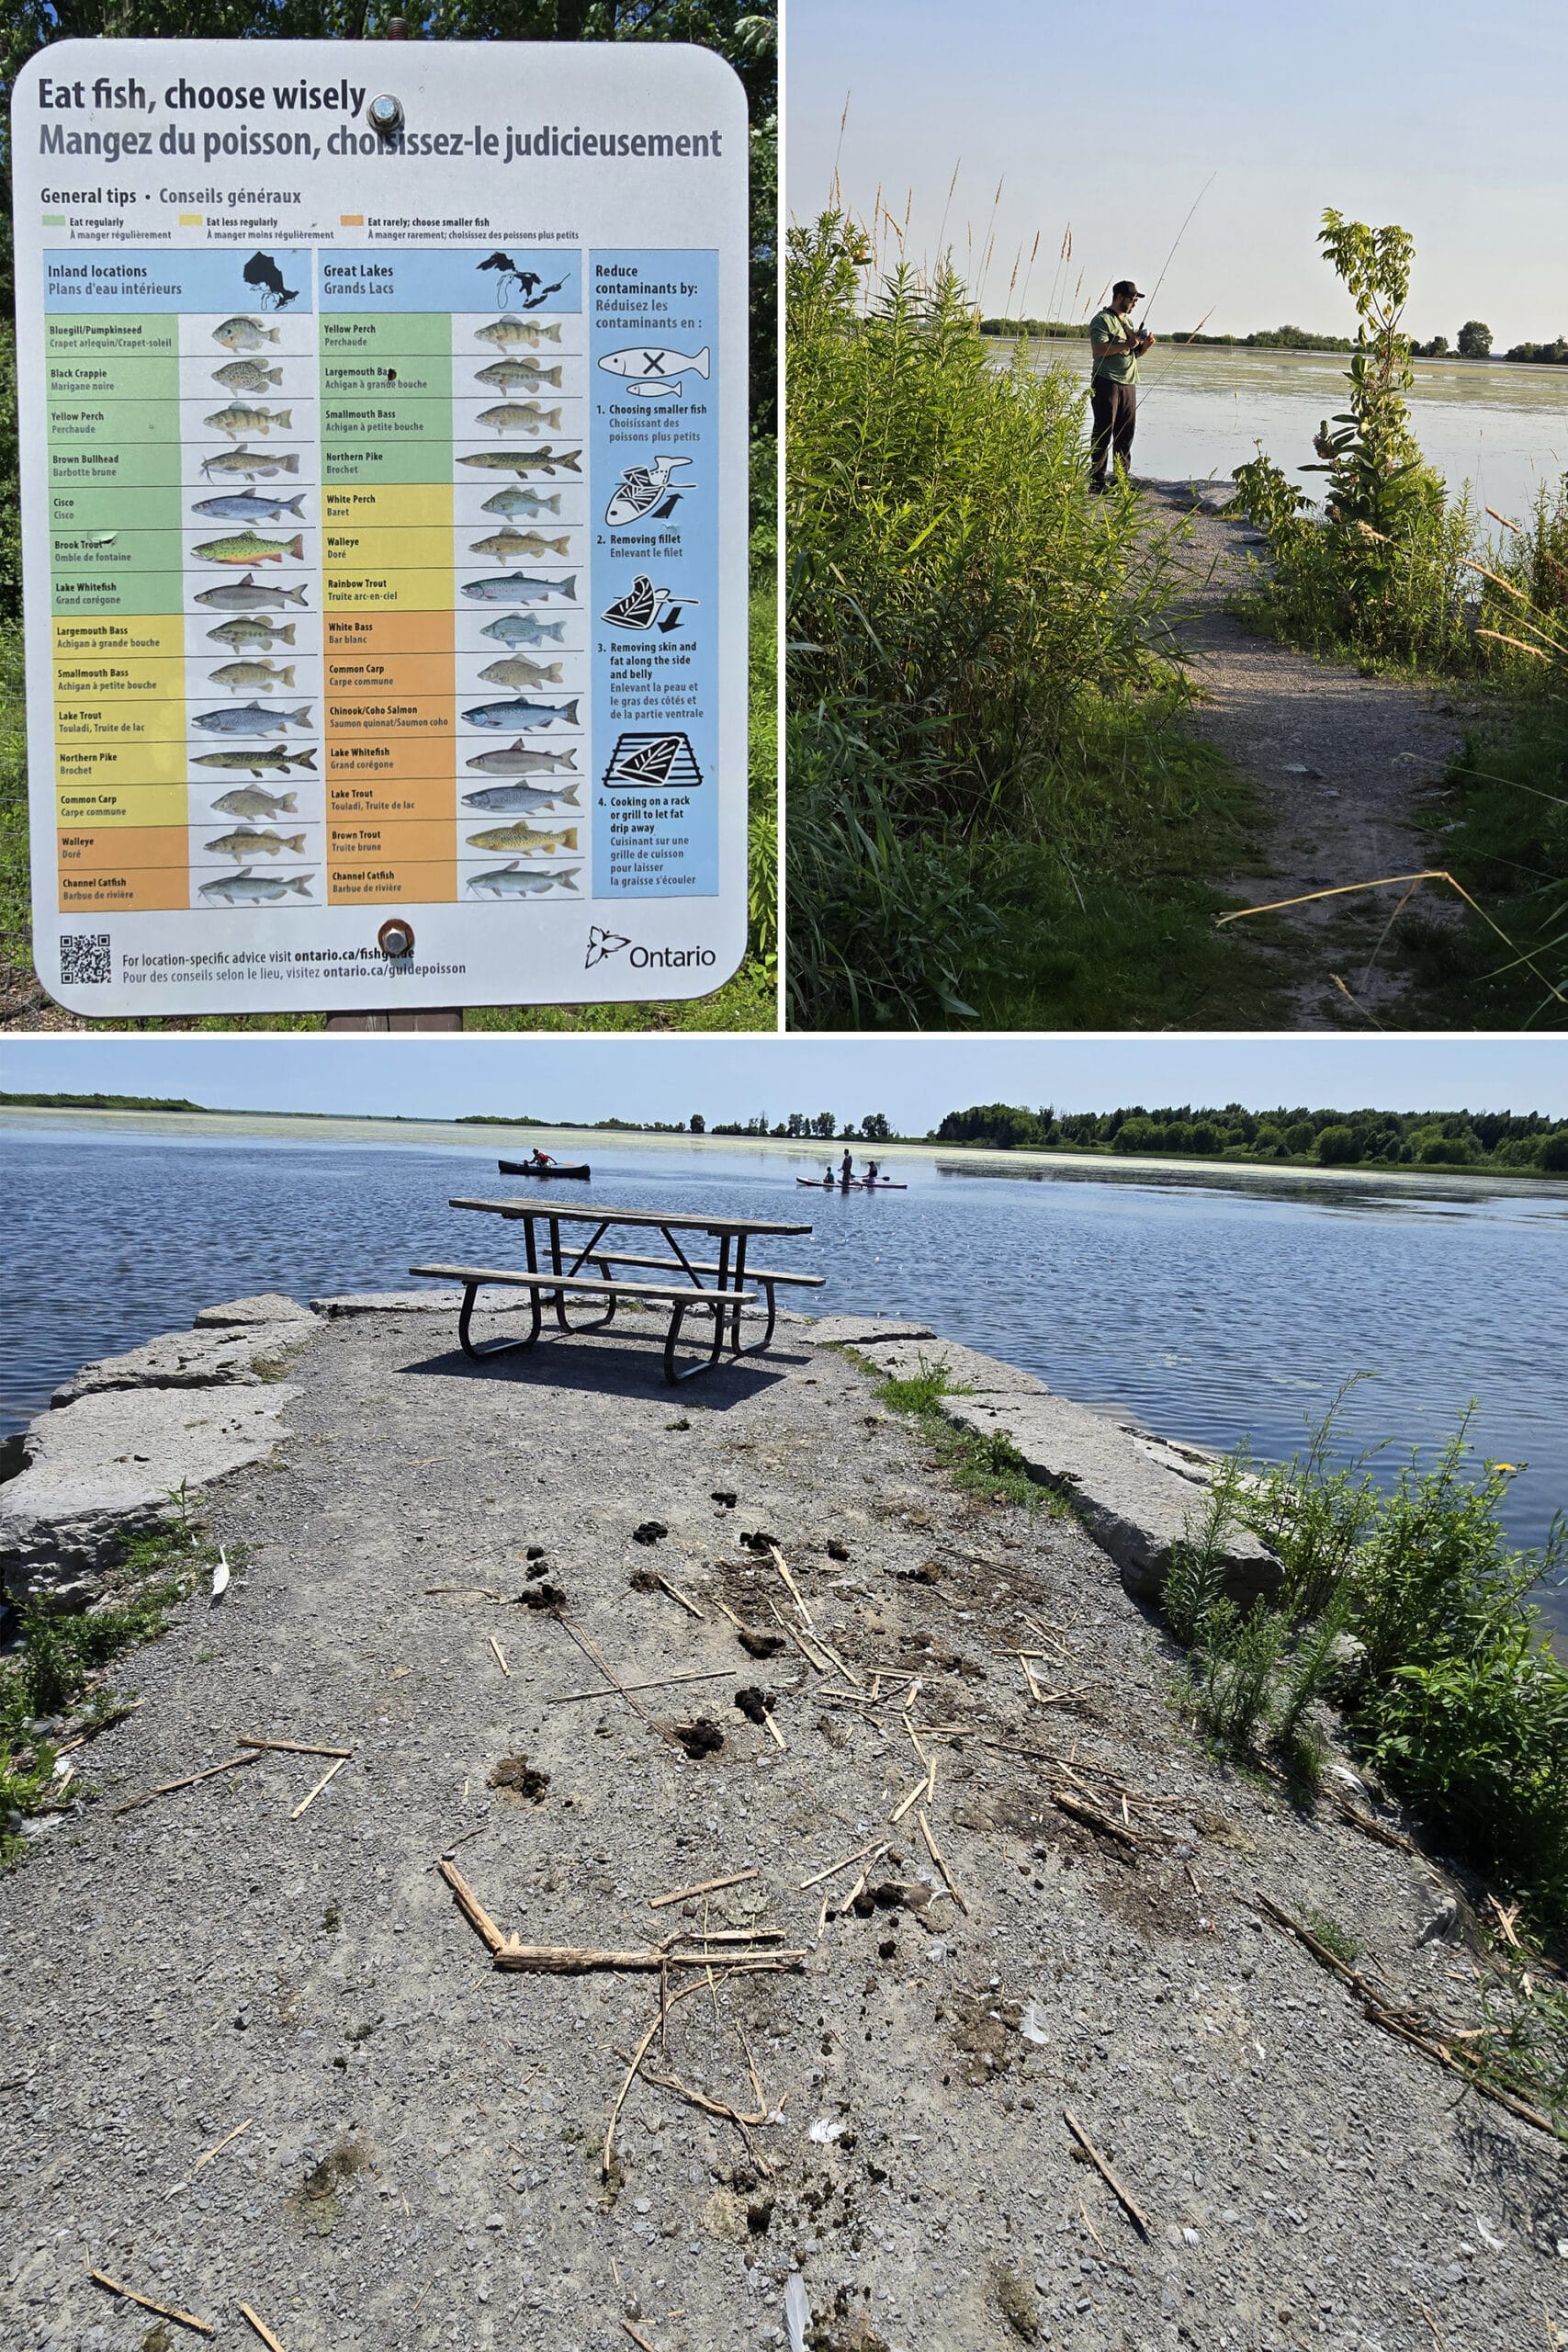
[{"x": 1122, "y": 366}]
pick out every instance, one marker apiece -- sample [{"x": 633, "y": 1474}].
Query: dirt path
[{"x": 1342, "y": 763}]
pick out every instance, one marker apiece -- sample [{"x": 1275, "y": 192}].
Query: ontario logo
[{"x": 603, "y": 945}]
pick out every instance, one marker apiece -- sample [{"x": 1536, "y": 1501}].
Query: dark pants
[{"x": 1115, "y": 421}]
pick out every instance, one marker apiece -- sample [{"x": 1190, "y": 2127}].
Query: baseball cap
[{"x": 1125, "y": 286}]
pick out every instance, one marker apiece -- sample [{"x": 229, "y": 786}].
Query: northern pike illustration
[
  {"x": 518, "y": 799},
  {"x": 524, "y": 628},
  {"x": 518, "y": 670},
  {"x": 250, "y": 506},
  {"x": 247, "y": 375},
  {"x": 508, "y": 545},
  {"x": 519, "y": 375},
  {"x": 514, "y": 881},
  {"x": 240, "y": 422},
  {"x": 519, "y": 714},
  {"x": 516, "y": 759},
  {"x": 244, "y": 842},
  {"x": 253, "y": 629},
  {"x": 505, "y": 333},
  {"x": 244, "y": 335},
  {"x": 251, "y": 463},
  {"x": 237, "y": 675},
  {"x": 244, "y": 546},
  {"x": 251, "y": 718},
  {"x": 543, "y": 460},
  {"x": 532, "y": 502},
  {"x": 520, "y": 588},
  {"x": 249, "y": 800},
  {"x": 523, "y": 837},
  {"x": 248, "y": 889},
  {"x": 274, "y": 761},
  {"x": 230, "y": 594},
  {"x": 520, "y": 416}
]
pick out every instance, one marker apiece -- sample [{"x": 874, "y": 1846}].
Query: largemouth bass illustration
[
  {"x": 532, "y": 502},
  {"x": 524, "y": 837},
  {"x": 244, "y": 335},
  {"x": 505, "y": 333},
  {"x": 248, "y": 889},
  {"x": 244, "y": 842},
  {"x": 516, "y": 759},
  {"x": 518, "y": 670},
  {"x": 508, "y": 800},
  {"x": 272, "y": 761},
  {"x": 231, "y": 594},
  {"x": 514, "y": 881},
  {"x": 652, "y": 371},
  {"x": 253, "y": 463},
  {"x": 257, "y": 675},
  {"x": 508, "y": 545},
  {"x": 519, "y": 375},
  {"x": 240, "y": 422},
  {"x": 247, "y": 375},
  {"x": 543, "y": 460},
  {"x": 250, "y": 506},
  {"x": 524, "y": 628},
  {"x": 249, "y": 800},
  {"x": 520, "y": 416},
  {"x": 253, "y": 629},
  {"x": 520, "y": 588},
  {"x": 520, "y": 714},
  {"x": 251, "y": 718},
  {"x": 244, "y": 546}
]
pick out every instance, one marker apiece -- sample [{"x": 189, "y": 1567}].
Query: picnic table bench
[{"x": 558, "y": 1283}]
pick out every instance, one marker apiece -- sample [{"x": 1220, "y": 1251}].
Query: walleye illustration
[
  {"x": 244, "y": 335},
  {"x": 644, "y": 607},
  {"x": 520, "y": 588},
  {"x": 247, "y": 375},
  {"x": 251, "y": 718},
  {"x": 523, "y": 837},
  {"x": 524, "y": 628},
  {"x": 655, "y": 762},
  {"x": 516, "y": 759},
  {"x": 651, "y": 369},
  {"x": 251, "y": 463},
  {"x": 646, "y": 490},
  {"x": 514, "y": 881},
  {"x": 248, "y": 889},
  {"x": 237, "y": 675},
  {"x": 532, "y": 502},
  {"x": 505, "y": 332},
  {"x": 507, "y": 546},
  {"x": 232, "y": 593},
  {"x": 518, "y": 671},
  {"x": 273, "y": 760},
  {"x": 543, "y": 460},
  {"x": 520, "y": 416},
  {"x": 244, "y": 842},
  {"x": 240, "y": 422},
  {"x": 522, "y": 714},
  {"x": 246, "y": 548},
  {"x": 519, "y": 375},
  {"x": 253, "y": 629},
  {"x": 249, "y": 800},
  {"x": 507, "y": 799},
  {"x": 250, "y": 506}
]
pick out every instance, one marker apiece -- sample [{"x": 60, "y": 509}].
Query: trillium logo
[{"x": 602, "y": 945}]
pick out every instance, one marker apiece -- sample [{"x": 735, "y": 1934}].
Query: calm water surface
[
  {"x": 1502, "y": 428},
  {"x": 1211, "y": 1308}
]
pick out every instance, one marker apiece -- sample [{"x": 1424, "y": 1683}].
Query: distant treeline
[
  {"x": 100, "y": 1103},
  {"x": 1474, "y": 340},
  {"x": 1478, "y": 1139}
]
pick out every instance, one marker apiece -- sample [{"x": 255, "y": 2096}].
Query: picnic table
[{"x": 716, "y": 1289}]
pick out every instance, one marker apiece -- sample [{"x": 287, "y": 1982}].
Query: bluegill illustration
[
  {"x": 244, "y": 335},
  {"x": 248, "y": 889},
  {"x": 520, "y": 714},
  {"x": 514, "y": 881},
  {"x": 251, "y": 718}
]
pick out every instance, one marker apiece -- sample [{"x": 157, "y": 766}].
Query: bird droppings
[
  {"x": 515, "y": 1777},
  {"x": 652, "y": 1530},
  {"x": 755, "y": 1705},
  {"x": 700, "y": 1738}
]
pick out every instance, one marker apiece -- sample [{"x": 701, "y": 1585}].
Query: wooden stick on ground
[
  {"x": 261, "y": 2329},
  {"x": 659, "y": 1682},
  {"x": 474, "y": 1910},
  {"x": 935, "y": 1852},
  {"x": 291, "y": 1747},
  {"x": 778, "y": 1560},
  {"x": 330, "y": 1774},
  {"x": 217, "y": 2151},
  {"x": 676, "y": 1594},
  {"x": 584, "y": 1960},
  {"x": 165, "y": 2311},
  {"x": 591, "y": 1652},
  {"x": 1124, "y": 2197},
  {"x": 834, "y": 1868},
  {"x": 168, "y": 1787},
  {"x": 500, "y": 1657},
  {"x": 637, "y": 2336},
  {"x": 783, "y": 1622},
  {"x": 1096, "y": 1820},
  {"x": 704, "y": 1886}
]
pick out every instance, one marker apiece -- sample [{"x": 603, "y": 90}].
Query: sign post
[{"x": 384, "y": 522}]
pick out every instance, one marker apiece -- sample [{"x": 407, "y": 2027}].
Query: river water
[
  {"x": 1501, "y": 427},
  {"x": 1214, "y": 1306}
]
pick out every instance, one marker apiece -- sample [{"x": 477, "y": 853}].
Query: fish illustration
[
  {"x": 240, "y": 422},
  {"x": 253, "y": 629},
  {"x": 240, "y": 592},
  {"x": 524, "y": 628},
  {"x": 250, "y": 718},
  {"x": 246, "y": 889},
  {"x": 641, "y": 488},
  {"x": 249, "y": 800},
  {"x": 513, "y": 501},
  {"x": 507, "y": 798},
  {"x": 273, "y": 759},
  {"x": 514, "y": 881},
  {"x": 651, "y": 369},
  {"x": 643, "y": 607},
  {"x": 249, "y": 506},
  {"x": 243, "y": 844},
  {"x": 543, "y": 460},
  {"x": 505, "y": 331},
  {"x": 507, "y": 546},
  {"x": 238, "y": 674},
  {"x": 654, "y": 762},
  {"x": 520, "y": 672},
  {"x": 514, "y": 375},
  {"x": 252, "y": 462},
  {"x": 519, "y": 588},
  {"x": 520, "y": 416},
  {"x": 523, "y": 837},
  {"x": 516, "y": 759},
  {"x": 247, "y": 375},
  {"x": 524, "y": 713},
  {"x": 244, "y": 335},
  {"x": 246, "y": 548}
]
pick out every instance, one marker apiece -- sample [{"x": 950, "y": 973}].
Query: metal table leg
[{"x": 497, "y": 1347}]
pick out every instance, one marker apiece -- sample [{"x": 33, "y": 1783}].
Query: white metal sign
[{"x": 384, "y": 522}]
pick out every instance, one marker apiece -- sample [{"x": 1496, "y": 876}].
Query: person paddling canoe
[{"x": 1117, "y": 346}]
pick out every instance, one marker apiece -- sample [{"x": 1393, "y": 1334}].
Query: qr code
[{"x": 84, "y": 957}]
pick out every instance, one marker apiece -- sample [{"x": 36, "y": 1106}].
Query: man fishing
[{"x": 1117, "y": 346}]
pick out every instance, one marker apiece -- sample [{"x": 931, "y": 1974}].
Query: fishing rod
[{"x": 1159, "y": 281}]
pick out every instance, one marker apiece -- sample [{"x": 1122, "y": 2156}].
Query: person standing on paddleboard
[{"x": 1117, "y": 346}]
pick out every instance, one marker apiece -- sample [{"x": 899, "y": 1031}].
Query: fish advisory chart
[{"x": 384, "y": 524}]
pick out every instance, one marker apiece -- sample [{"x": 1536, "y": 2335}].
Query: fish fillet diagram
[{"x": 384, "y": 522}]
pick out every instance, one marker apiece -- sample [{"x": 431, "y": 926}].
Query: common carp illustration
[
  {"x": 246, "y": 548},
  {"x": 237, "y": 594},
  {"x": 249, "y": 800},
  {"x": 251, "y": 718},
  {"x": 273, "y": 760},
  {"x": 514, "y": 881},
  {"x": 251, "y": 463},
  {"x": 524, "y": 628},
  {"x": 520, "y": 416},
  {"x": 523, "y": 837},
  {"x": 250, "y": 506},
  {"x": 543, "y": 460},
  {"x": 253, "y": 629},
  {"x": 532, "y": 502},
  {"x": 505, "y": 799},
  {"x": 244, "y": 842},
  {"x": 505, "y": 333},
  {"x": 519, "y": 671},
  {"x": 642, "y": 490},
  {"x": 247, "y": 375},
  {"x": 237, "y": 675},
  {"x": 519, "y": 375},
  {"x": 522, "y": 714},
  {"x": 244, "y": 335},
  {"x": 507, "y": 546},
  {"x": 240, "y": 422},
  {"x": 520, "y": 588},
  {"x": 248, "y": 889},
  {"x": 516, "y": 759},
  {"x": 651, "y": 369}
]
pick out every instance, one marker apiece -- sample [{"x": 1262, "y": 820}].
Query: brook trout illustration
[{"x": 246, "y": 548}]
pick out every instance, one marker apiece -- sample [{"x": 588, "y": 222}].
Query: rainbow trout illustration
[{"x": 520, "y": 588}]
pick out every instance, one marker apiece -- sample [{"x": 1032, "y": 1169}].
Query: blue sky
[
  {"x": 914, "y": 1080},
  {"x": 1434, "y": 113}
]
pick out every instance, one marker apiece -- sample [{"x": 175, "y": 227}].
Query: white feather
[
  {"x": 220, "y": 1575},
  {"x": 797, "y": 2312}
]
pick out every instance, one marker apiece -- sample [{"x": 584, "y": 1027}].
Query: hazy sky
[
  {"x": 913, "y": 1080},
  {"x": 1442, "y": 115}
]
